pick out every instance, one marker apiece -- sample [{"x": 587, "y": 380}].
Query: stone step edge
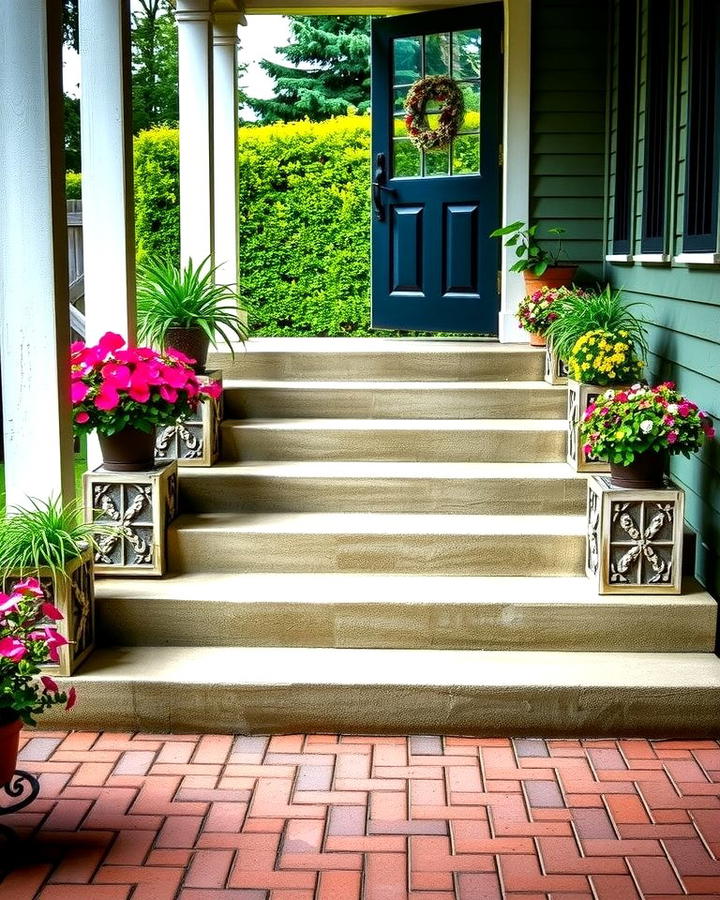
[{"x": 363, "y": 424}]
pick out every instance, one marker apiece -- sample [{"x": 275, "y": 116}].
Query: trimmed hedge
[
  {"x": 73, "y": 185},
  {"x": 157, "y": 194}
]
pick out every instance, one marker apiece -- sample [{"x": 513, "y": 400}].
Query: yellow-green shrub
[
  {"x": 157, "y": 195},
  {"x": 73, "y": 185}
]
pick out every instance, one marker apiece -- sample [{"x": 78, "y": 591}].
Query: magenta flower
[
  {"x": 52, "y": 637},
  {"x": 116, "y": 375},
  {"x": 168, "y": 393},
  {"x": 672, "y": 437},
  {"x": 78, "y": 391},
  {"x": 213, "y": 389},
  {"x": 108, "y": 398},
  {"x": 683, "y": 410},
  {"x": 71, "y": 698},
  {"x": 8, "y": 604},
  {"x": 13, "y": 649},
  {"x": 82, "y": 417},
  {"x": 28, "y": 586},
  {"x": 175, "y": 376},
  {"x": 50, "y": 611},
  {"x": 49, "y": 684},
  {"x": 110, "y": 342},
  {"x": 140, "y": 393},
  {"x": 179, "y": 356}
]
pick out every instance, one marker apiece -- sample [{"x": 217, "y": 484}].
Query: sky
[{"x": 258, "y": 40}]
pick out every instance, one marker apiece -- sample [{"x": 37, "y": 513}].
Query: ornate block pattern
[
  {"x": 194, "y": 441},
  {"x": 555, "y": 369},
  {"x": 634, "y": 539},
  {"x": 580, "y": 396},
  {"x": 141, "y": 505},
  {"x": 74, "y": 596}
]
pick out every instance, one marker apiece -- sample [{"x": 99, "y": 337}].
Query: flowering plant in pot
[
  {"x": 603, "y": 357},
  {"x": 186, "y": 309},
  {"x": 537, "y": 311},
  {"x": 125, "y": 394},
  {"x": 540, "y": 265},
  {"x": 636, "y": 429},
  {"x": 27, "y": 642}
]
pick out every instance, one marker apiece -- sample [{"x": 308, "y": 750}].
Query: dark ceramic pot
[
  {"x": 193, "y": 342},
  {"x": 129, "y": 450},
  {"x": 646, "y": 472},
  {"x": 9, "y": 745}
]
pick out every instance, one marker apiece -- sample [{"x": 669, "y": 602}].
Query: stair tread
[
  {"x": 378, "y": 589},
  {"x": 450, "y": 668},
  {"x": 373, "y": 386},
  {"x": 350, "y": 345},
  {"x": 382, "y": 523},
  {"x": 298, "y": 424},
  {"x": 554, "y": 471}
]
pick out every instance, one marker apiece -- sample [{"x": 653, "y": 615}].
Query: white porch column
[
  {"x": 195, "y": 76},
  {"x": 225, "y": 167},
  {"x": 34, "y": 317},
  {"x": 516, "y": 143},
  {"x": 107, "y": 168}
]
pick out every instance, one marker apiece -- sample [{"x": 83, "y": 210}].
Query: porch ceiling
[{"x": 368, "y": 7}]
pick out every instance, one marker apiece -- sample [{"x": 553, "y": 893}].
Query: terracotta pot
[
  {"x": 646, "y": 472},
  {"x": 537, "y": 340},
  {"x": 9, "y": 744},
  {"x": 553, "y": 277},
  {"x": 193, "y": 342},
  {"x": 129, "y": 450}
]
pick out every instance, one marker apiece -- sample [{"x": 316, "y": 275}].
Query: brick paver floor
[{"x": 322, "y": 817}]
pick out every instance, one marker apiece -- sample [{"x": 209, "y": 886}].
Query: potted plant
[
  {"x": 27, "y": 644},
  {"x": 185, "y": 309},
  {"x": 540, "y": 265},
  {"x": 537, "y": 311},
  {"x": 51, "y": 543},
  {"x": 636, "y": 430},
  {"x": 125, "y": 394}
]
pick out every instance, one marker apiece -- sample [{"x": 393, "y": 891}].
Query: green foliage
[
  {"x": 329, "y": 70},
  {"x": 579, "y": 313},
  {"x": 531, "y": 256},
  {"x": 44, "y": 535},
  {"x": 170, "y": 297},
  {"x": 73, "y": 185},
  {"x": 157, "y": 200},
  {"x": 154, "y": 65},
  {"x": 72, "y": 133}
]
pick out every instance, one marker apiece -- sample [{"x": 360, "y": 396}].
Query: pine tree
[
  {"x": 329, "y": 70},
  {"x": 154, "y": 65}
]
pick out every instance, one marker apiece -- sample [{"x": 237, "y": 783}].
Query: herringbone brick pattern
[{"x": 322, "y": 817}]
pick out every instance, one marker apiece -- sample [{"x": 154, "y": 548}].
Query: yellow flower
[
  {"x": 619, "y": 435},
  {"x": 585, "y": 366}
]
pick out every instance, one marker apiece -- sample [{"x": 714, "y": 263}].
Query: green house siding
[
  {"x": 683, "y": 308},
  {"x": 569, "y": 91}
]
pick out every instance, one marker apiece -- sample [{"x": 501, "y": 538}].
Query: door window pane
[
  {"x": 466, "y": 155},
  {"x": 407, "y": 59},
  {"x": 471, "y": 95},
  {"x": 437, "y": 162},
  {"x": 466, "y": 53},
  {"x": 407, "y": 161},
  {"x": 437, "y": 54}
]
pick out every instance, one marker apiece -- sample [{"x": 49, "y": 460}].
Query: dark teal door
[{"x": 434, "y": 266}]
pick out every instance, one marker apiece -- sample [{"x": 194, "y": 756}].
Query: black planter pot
[
  {"x": 128, "y": 450},
  {"x": 646, "y": 472},
  {"x": 193, "y": 342}
]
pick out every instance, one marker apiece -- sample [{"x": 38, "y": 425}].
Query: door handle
[{"x": 378, "y": 186}]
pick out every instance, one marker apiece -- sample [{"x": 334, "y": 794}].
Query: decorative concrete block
[
  {"x": 74, "y": 596},
  {"x": 555, "y": 368},
  {"x": 580, "y": 396},
  {"x": 194, "y": 441},
  {"x": 142, "y": 505},
  {"x": 634, "y": 538}
]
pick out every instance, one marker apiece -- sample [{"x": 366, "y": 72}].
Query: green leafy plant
[
  {"x": 578, "y": 313},
  {"x": 531, "y": 256},
  {"x": 171, "y": 297},
  {"x": 45, "y": 535}
]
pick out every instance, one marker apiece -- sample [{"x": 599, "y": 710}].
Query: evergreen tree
[
  {"x": 154, "y": 65},
  {"x": 329, "y": 70}
]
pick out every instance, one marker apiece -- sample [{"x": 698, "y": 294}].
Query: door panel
[{"x": 434, "y": 266}]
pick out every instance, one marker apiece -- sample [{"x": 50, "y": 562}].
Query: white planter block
[
  {"x": 634, "y": 538},
  {"x": 580, "y": 396},
  {"x": 143, "y": 504},
  {"x": 194, "y": 441},
  {"x": 555, "y": 369},
  {"x": 74, "y": 596}
]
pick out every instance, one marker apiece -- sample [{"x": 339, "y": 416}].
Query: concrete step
[
  {"x": 377, "y": 542},
  {"x": 419, "y": 440},
  {"x": 394, "y": 399},
  {"x": 399, "y": 612},
  {"x": 297, "y": 486},
  {"x": 270, "y": 690},
  {"x": 381, "y": 359}
]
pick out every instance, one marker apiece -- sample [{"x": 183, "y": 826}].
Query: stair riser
[
  {"x": 228, "y": 622},
  {"x": 401, "y": 445},
  {"x": 204, "y": 550},
  {"x": 496, "y": 366},
  {"x": 483, "y": 496},
  {"x": 389, "y": 403},
  {"x": 565, "y": 711}
]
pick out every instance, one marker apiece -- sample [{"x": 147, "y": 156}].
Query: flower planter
[
  {"x": 552, "y": 277},
  {"x": 9, "y": 747},
  {"x": 555, "y": 369},
  {"x": 196, "y": 440},
  {"x": 646, "y": 472},
  {"x": 74, "y": 596},
  {"x": 193, "y": 342},
  {"x": 143, "y": 504},
  {"x": 580, "y": 396},
  {"x": 537, "y": 340},
  {"x": 634, "y": 539},
  {"x": 129, "y": 450}
]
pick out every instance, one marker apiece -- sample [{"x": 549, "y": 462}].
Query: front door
[{"x": 434, "y": 266}]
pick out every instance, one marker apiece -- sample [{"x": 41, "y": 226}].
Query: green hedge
[{"x": 157, "y": 195}]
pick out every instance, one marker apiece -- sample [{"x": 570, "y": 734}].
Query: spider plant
[
  {"x": 45, "y": 535},
  {"x": 578, "y": 313},
  {"x": 171, "y": 297}
]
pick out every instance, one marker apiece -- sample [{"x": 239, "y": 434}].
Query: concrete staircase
[{"x": 392, "y": 543}]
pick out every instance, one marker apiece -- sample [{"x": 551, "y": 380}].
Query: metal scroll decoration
[
  {"x": 434, "y": 88},
  {"x": 642, "y": 542},
  {"x": 128, "y": 506}
]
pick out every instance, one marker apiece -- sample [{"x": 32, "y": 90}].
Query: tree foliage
[
  {"x": 154, "y": 64},
  {"x": 328, "y": 71}
]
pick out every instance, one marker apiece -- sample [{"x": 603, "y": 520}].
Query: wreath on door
[{"x": 444, "y": 90}]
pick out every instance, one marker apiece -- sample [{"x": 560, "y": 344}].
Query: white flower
[
  {"x": 672, "y": 408},
  {"x": 636, "y": 387},
  {"x": 610, "y": 395},
  {"x": 646, "y": 427}
]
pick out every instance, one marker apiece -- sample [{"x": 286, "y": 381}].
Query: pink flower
[
  {"x": 214, "y": 389},
  {"x": 108, "y": 398},
  {"x": 587, "y": 449},
  {"x": 621, "y": 397},
  {"x": 179, "y": 356},
  {"x": 71, "y": 698},
  {"x": 28, "y": 586},
  {"x": 13, "y": 649},
  {"x": 50, "y": 611},
  {"x": 77, "y": 346},
  {"x": 82, "y": 417},
  {"x": 590, "y": 410},
  {"x": 8, "y": 604},
  {"x": 78, "y": 391},
  {"x": 684, "y": 409},
  {"x": 49, "y": 684},
  {"x": 110, "y": 342},
  {"x": 140, "y": 393},
  {"x": 604, "y": 411},
  {"x": 672, "y": 437},
  {"x": 709, "y": 432},
  {"x": 53, "y": 639},
  {"x": 668, "y": 420},
  {"x": 117, "y": 376},
  {"x": 176, "y": 376},
  {"x": 168, "y": 393},
  {"x": 127, "y": 356}
]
